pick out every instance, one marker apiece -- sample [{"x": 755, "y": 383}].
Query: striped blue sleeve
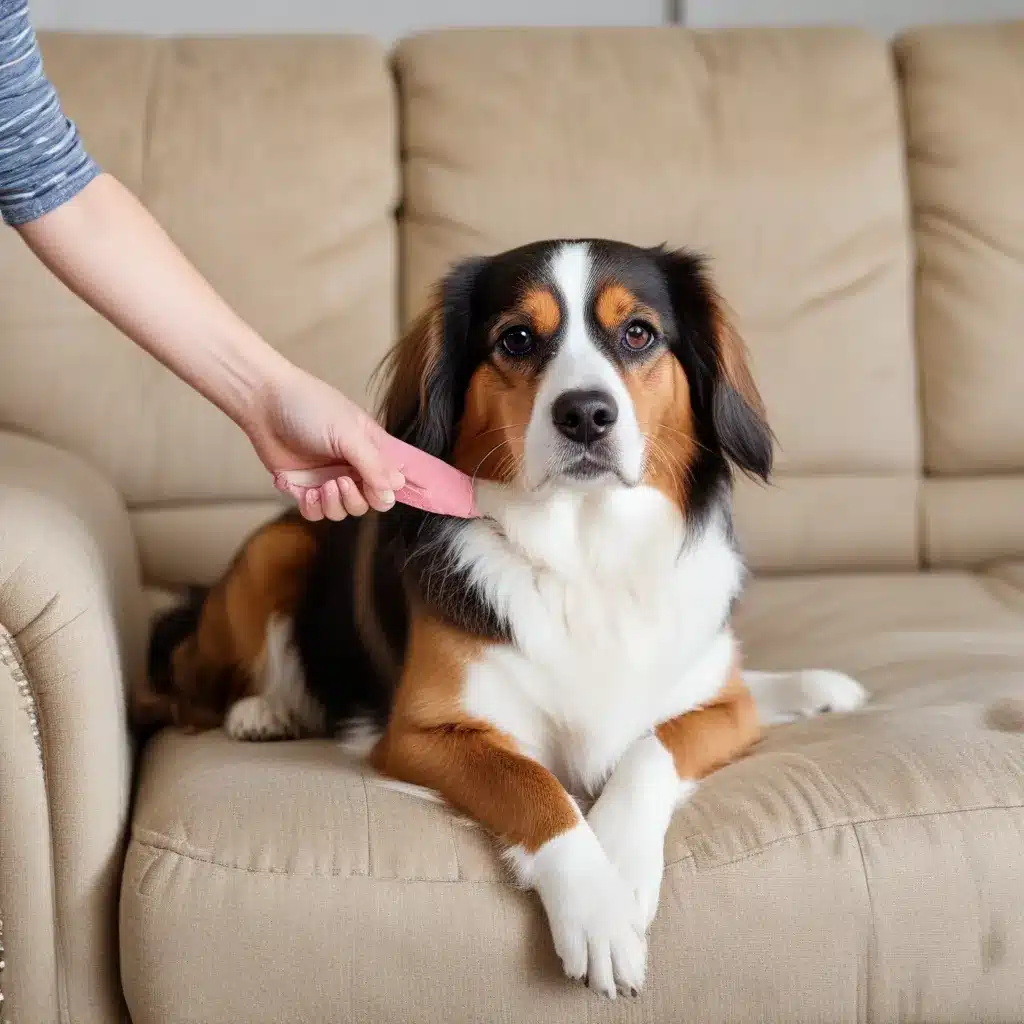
[{"x": 42, "y": 160}]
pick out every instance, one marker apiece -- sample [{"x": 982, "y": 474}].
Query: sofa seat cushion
[{"x": 850, "y": 868}]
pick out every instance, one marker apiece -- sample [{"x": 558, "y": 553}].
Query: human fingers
[
  {"x": 355, "y": 503},
  {"x": 332, "y": 499}
]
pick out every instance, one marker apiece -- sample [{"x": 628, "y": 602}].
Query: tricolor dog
[{"x": 571, "y": 648}]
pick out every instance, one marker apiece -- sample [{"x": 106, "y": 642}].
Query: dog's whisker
[
  {"x": 504, "y": 426},
  {"x": 507, "y": 441},
  {"x": 658, "y": 455},
  {"x": 689, "y": 437}
]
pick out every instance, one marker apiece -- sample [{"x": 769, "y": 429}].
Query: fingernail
[
  {"x": 397, "y": 481},
  {"x": 387, "y": 497}
]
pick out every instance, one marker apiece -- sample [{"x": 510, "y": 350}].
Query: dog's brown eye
[
  {"x": 516, "y": 342},
  {"x": 638, "y": 336}
]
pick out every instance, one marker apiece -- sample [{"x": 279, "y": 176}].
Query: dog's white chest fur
[{"x": 619, "y": 620}]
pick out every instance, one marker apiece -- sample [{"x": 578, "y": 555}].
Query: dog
[{"x": 561, "y": 669}]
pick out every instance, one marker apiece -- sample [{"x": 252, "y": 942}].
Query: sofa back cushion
[
  {"x": 272, "y": 163},
  {"x": 779, "y": 154},
  {"x": 964, "y": 89}
]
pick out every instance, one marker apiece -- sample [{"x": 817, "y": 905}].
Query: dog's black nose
[{"x": 584, "y": 416}]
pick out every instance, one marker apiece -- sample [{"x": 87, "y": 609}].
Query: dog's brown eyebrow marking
[
  {"x": 615, "y": 303},
  {"x": 541, "y": 306}
]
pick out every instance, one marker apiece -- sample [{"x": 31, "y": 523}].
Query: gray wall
[
  {"x": 386, "y": 19},
  {"x": 389, "y": 19},
  {"x": 884, "y": 16}
]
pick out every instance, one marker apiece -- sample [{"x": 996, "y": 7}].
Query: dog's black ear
[
  {"x": 737, "y": 409},
  {"x": 422, "y": 392},
  {"x": 712, "y": 351}
]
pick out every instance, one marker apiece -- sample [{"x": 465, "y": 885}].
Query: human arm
[
  {"x": 99, "y": 240},
  {"x": 107, "y": 249}
]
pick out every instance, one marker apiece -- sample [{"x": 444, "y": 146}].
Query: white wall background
[{"x": 389, "y": 19}]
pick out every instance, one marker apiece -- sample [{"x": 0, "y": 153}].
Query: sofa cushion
[
  {"x": 272, "y": 163},
  {"x": 860, "y": 867},
  {"x": 195, "y": 543},
  {"x": 964, "y": 89},
  {"x": 968, "y": 521},
  {"x": 777, "y": 152}
]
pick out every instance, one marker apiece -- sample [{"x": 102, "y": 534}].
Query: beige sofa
[{"x": 864, "y": 206}]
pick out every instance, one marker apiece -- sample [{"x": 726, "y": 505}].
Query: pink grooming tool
[{"x": 430, "y": 484}]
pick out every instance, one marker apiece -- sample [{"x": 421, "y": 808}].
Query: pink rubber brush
[{"x": 430, "y": 484}]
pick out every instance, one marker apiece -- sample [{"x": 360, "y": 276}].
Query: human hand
[{"x": 299, "y": 422}]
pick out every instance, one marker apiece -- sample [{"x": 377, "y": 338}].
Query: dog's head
[{"x": 583, "y": 365}]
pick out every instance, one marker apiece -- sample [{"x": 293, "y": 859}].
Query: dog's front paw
[
  {"x": 639, "y": 859},
  {"x": 595, "y": 922},
  {"x": 632, "y": 815}
]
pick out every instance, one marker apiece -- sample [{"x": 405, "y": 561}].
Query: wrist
[{"x": 248, "y": 373}]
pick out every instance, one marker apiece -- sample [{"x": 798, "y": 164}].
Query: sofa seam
[
  {"x": 47, "y": 637},
  {"x": 197, "y": 858},
  {"x": 907, "y": 816},
  {"x": 911, "y": 228},
  {"x": 169, "y": 847},
  {"x": 991, "y": 585},
  {"x": 13, "y": 659},
  {"x": 369, "y": 839},
  {"x": 153, "y": 841},
  {"x": 148, "y": 115},
  {"x": 455, "y": 850},
  {"x": 871, "y": 948}
]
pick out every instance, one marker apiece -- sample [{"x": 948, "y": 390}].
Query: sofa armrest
[{"x": 71, "y": 637}]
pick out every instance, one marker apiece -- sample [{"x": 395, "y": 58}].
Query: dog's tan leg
[
  {"x": 712, "y": 736},
  {"x": 594, "y": 922}
]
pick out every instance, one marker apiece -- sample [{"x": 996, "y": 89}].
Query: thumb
[{"x": 363, "y": 452}]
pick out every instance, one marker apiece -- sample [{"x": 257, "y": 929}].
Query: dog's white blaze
[
  {"x": 619, "y": 622},
  {"x": 578, "y": 363}
]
